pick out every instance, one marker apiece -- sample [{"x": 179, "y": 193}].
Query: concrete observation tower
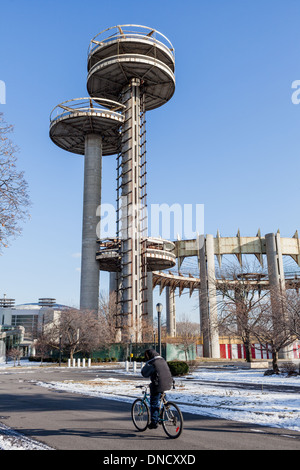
[{"x": 130, "y": 71}]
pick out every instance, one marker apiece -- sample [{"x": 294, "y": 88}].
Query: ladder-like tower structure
[
  {"x": 133, "y": 65},
  {"x": 130, "y": 71}
]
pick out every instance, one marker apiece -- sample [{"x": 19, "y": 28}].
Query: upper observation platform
[
  {"x": 72, "y": 120},
  {"x": 121, "y": 53}
]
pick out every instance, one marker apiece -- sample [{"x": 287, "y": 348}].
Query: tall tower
[
  {"x": 130, "y": 71},
  {"x": 88, "y": 127},
  {"x": 133, "y": 65}
]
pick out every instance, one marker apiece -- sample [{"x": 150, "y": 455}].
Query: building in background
[{"x": 20, "y": 324}]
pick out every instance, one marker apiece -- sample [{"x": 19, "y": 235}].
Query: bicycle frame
[{"x": 146, "y": 399}]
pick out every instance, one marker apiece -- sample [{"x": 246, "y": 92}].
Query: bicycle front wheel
[
  {"x": 172, "y": 420},
  {"x": 140, "y": 414}
]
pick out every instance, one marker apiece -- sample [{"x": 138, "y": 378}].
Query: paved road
[{"x": 67, "y": 421}]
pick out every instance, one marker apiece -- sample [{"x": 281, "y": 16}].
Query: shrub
[
  {"x": 44, "y": 359},
  {"x": 136, "y": 359},
  {"x": 178, "y": 368},
  {"x": 289, "y": 368}
]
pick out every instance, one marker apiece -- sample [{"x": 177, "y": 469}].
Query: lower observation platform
[
  {"x": 159, "y": 254},
  {"x": 72, "y": 120}
]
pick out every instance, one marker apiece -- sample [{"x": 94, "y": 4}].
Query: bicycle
[{"x": 170, "y": 416}]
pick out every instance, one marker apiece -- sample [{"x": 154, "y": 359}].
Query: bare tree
[
  {"x": 107, "y": 315},
  {"x": 14, "y": 198},
  {"x": 42, "y": 346},
  {"x": 187, "y": 333},
  {"x": 293, "y": 311},
  {"x": 241, "y": 292},
  {"x": 272, "y": 328},
  {"x": 75, "y": 331},
  {"x": 15, "y": 354}
]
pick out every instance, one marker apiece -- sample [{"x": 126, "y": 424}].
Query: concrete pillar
[
  {"x": 170, "y": 312},
  {"x": 114, "y": 289},
  {"x": 208, "y": 297},
  {"x": 276, "y": 278},
  {"x": 212, "y": 296},
  {"x": 150, "y": 297},
  {"x": 113, "y": 283},
  {"x": 2, "y": 348},
  {"x": 203, "y": 297},
  {"x": 89, "y": 289}
]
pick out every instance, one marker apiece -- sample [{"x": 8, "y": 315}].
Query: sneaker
[{"x": 152, "y": 426}]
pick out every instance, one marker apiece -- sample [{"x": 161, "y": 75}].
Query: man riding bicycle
[{"x": 161, "y": 380}]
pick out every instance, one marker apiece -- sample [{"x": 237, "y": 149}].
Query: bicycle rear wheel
[
  {"x": 140, "y": 414},
  {"x": 172, "y": 420}
]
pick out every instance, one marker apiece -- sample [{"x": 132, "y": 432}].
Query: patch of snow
[{"x": 12, "y": 440}]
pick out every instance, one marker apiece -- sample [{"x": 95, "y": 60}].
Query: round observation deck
[
  {"x": 159, "y": 254},
  {"x": 72, "y": 120},
  {"x": 121, "y": 53}
]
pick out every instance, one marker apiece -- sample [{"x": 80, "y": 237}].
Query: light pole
[
  {"x": 159, "y": 308},
  {"x": 60, "y": 336}
]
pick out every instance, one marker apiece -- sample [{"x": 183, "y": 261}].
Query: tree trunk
[
  {"x": 247, "y": 344},
  {"x": 275, "y": 361}
]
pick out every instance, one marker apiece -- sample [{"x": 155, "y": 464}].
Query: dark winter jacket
[{"x": 158, "y": 370}]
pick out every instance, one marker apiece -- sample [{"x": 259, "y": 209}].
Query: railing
[
  {"x": 153, "y": 244},
  {"x": 122, "y": 32},
  {"x": 95, "y": 105}
]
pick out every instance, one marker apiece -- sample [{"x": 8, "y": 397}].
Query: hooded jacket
[{"x": 158, "y": 370}]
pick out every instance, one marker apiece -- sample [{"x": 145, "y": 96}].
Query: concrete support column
[
  {"x": 2, "y": 348},
  {"x": 170, "y": 312},
  {"x": 113, "y": 301},
  {"x": 113, "y": 291},
  {"x": 203, "y": 297},
  {"x": 208, "y": 297},
  {"x": 150, "y": 298},
  {"x": 276, "y": 278},
  {"x": 89, "y": 288},
  {"x": 212, "y": 293}
]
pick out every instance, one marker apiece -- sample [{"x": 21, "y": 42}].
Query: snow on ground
[
  {"x": 279, "y": 409},
  {"x": 12, "y": 440},
  {"x": 260, "y": 407}
]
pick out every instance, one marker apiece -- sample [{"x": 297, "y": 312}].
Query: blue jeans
[{"x": 154, "y": 406}]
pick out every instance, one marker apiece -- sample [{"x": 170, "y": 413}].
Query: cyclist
[{"x": 161, "y": 380}]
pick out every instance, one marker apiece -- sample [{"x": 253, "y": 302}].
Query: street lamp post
[
  {"x": 159, "y": 308},
  {"x": 60, "y": 336}
]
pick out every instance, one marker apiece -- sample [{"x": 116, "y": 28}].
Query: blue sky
[{"x": 228, "y": 139}]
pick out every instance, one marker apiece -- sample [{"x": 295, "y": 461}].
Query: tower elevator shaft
[{"x": 133, "y": 283}]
